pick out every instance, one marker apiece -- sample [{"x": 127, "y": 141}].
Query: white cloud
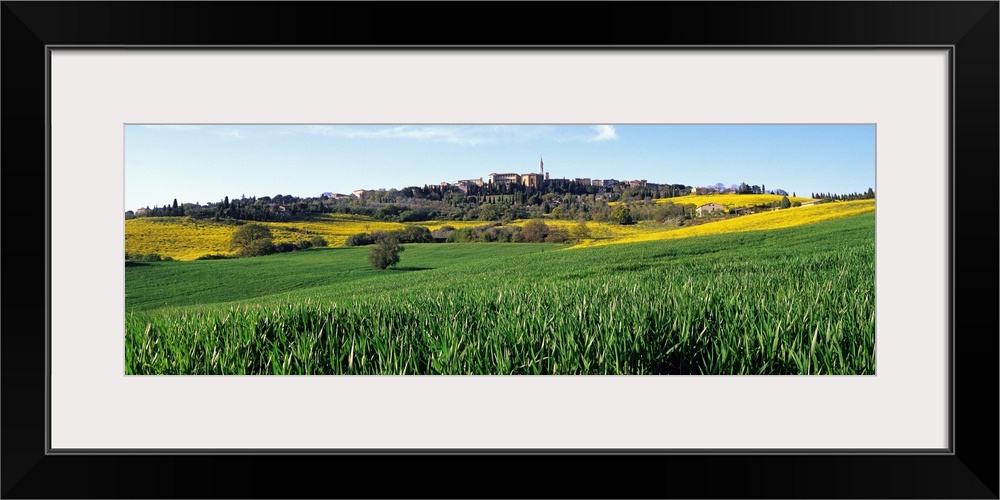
[
  {"x": 469, "y": 135},
  {"x": 456, "y": 135},
  {"x": 229, "y": 134},
  {"x": 604, "y": 133}
]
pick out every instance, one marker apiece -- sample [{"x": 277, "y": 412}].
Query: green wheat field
[{"x": 799, "y": 300}]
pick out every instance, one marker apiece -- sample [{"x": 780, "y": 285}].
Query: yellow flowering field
[
  {"x": 183, "y": 238},
  {"x": 457, "y": 224},
  {"x": 730, "y": 200},
  {"x": 179, "y": 237},
  {"x": 726, "y": 200},
  {"x": 610, "y": 231},
  {"x": 795, "y": 216}
]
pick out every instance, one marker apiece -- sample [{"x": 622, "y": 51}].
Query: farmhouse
[{"x": 708, "y": 208}]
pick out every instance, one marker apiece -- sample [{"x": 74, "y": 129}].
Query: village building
[
  {"x": 529, "y": 180},
  {"x": 708, "y": 208},
  {"x": 532, "y": 180},
  {"x": 504, "y": 178},
  {"x": 538, "y": 180},
  {"x": 465, "y": 184}
]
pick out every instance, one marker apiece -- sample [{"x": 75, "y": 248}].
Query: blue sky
[{"x": 204, "y": 163}]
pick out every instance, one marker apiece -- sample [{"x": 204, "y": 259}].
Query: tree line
[
  {"x": 493, "y": 202},
  {"x": 490, "y": 203},
  {"x": 867, "y": 195}
]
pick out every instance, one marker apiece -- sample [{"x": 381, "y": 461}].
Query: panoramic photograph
[{"x": 410, "y": 249}]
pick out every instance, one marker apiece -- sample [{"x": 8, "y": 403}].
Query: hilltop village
[
  {"x": 539, "y": 179},
  {"x": 498, "y": 183},
  {"x": 496, "y": 197}
]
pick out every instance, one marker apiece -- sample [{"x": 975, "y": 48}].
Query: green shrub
[
  {"x": 557, "y": 235},
  {"x": 146, "y": 257},
  {"x": 621, "y": 215},
  {"x": 533, "y": 231},
  {"x": 358, "y": 240},
  {"x": 580, "y": 231},
  {"x": 385, "y": 253},
  {"x": 442, "y": 233},
  {"x": 252, "y": 240},
  {"x": 257, "y": 247},
  {"x": 318, "y": 241},
  {"x": 214, "y": 256},
  {"x": 414, "y": 234},
  {"x": 464, "y": 235}
]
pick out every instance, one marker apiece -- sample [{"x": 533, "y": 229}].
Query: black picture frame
[{"x": 970, "y": 470}]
